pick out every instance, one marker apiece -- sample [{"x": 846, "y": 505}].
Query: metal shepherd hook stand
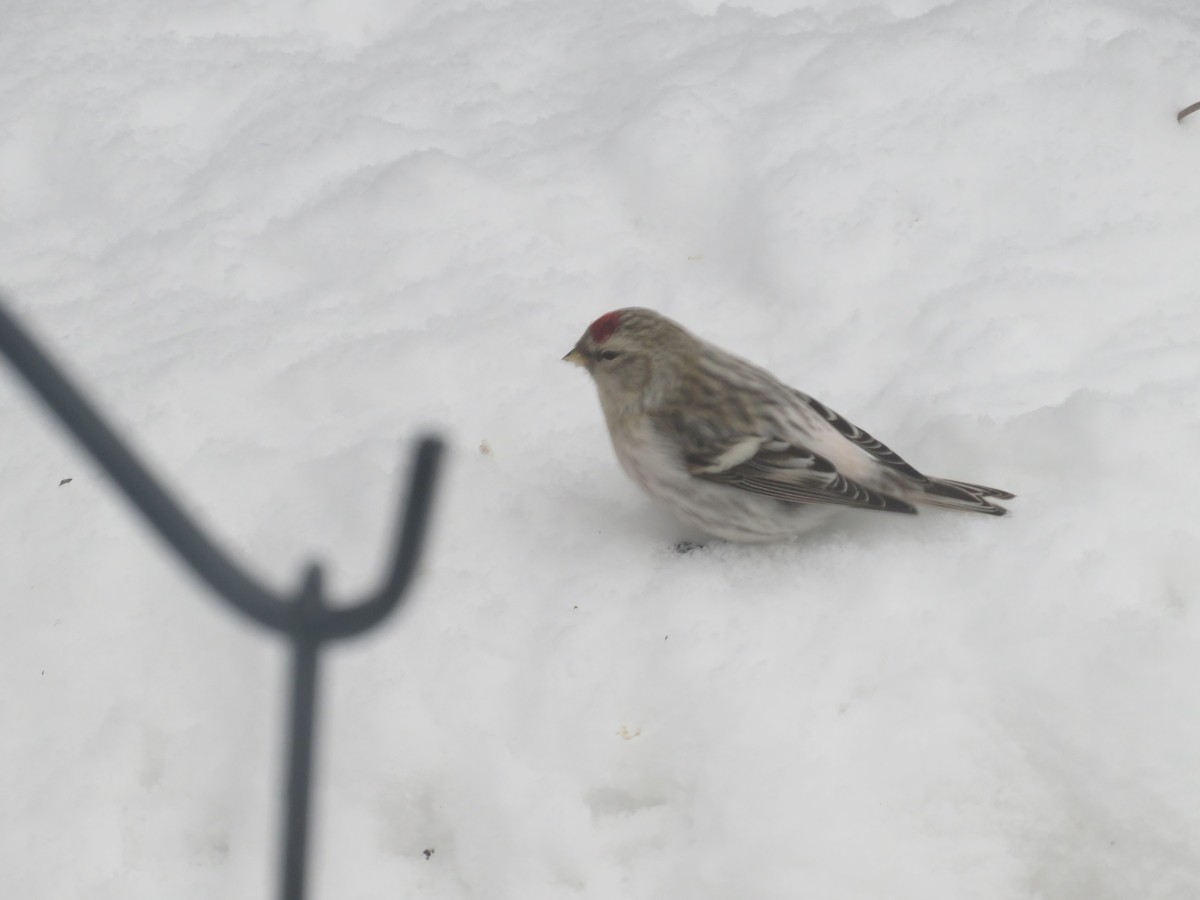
[{"x": 307, "y": 619}]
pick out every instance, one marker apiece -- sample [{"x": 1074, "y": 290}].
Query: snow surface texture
[{"x": 278, "y": 242}]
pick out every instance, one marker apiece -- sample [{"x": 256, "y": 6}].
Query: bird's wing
[
  {"x": 876, "y": 448},
  {"x": 936, "y": 490},
  {"x": 787, "y": 472}
]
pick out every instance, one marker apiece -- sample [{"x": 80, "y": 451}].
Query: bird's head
[{"x": 627, "y": 353}]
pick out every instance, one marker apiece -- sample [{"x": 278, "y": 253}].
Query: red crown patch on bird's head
[{"x": 602, "y": 329}]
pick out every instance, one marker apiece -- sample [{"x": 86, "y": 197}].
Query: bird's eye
[{"x": 609, "y": 354}]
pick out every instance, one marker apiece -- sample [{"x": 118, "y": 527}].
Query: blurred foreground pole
[{"x": 307, "y": 619}]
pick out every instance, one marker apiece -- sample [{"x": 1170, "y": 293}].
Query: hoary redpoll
[{"x": 732, "y": 449}]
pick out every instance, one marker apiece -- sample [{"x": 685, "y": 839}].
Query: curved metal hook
[{"x": 316, "y": 620}]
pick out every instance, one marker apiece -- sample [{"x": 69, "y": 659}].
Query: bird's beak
[{"x": 577, "y": 356}]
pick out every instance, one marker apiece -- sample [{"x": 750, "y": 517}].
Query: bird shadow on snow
[{"x": 843, "y": 528}]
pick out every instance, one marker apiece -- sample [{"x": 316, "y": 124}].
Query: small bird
[{"x": 733, "y": 450}]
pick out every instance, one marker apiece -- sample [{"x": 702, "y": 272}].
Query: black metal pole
[
  {"x": 302, "y": 718},
  {"x": 307, "y": 620},
  {"x": 300, "y": 764}
]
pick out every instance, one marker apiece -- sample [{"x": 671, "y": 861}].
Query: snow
[{"x": 279, "y": 240}]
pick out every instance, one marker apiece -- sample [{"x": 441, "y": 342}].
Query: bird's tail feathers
[{"x": 947, "y": 494}]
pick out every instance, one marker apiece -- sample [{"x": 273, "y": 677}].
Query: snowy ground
[{"x": 279, "y": 243}]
